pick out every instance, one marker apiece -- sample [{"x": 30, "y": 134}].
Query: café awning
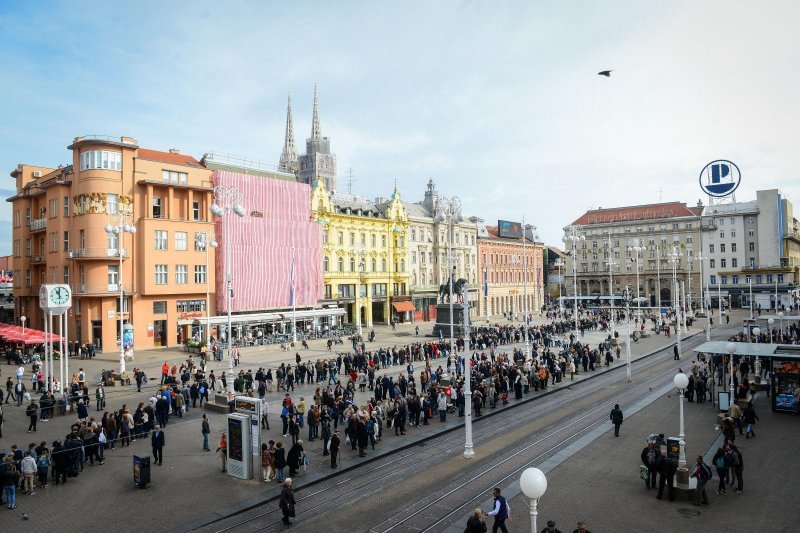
[{"x": 402, "y": 307}]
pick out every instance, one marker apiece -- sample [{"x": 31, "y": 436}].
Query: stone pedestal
[{"x": 443, "y": 320}]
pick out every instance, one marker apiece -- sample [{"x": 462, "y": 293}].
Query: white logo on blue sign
[{"x": 720, "y": 178}]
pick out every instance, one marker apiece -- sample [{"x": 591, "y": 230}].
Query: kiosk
[{"x": 239, "y": 446}]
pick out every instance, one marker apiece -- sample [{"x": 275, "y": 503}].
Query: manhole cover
[{"x": 688, "y": 512}]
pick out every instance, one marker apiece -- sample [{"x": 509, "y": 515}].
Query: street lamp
[
  {"x": 628, "y": 341},
  {"x": 533, "y": 483},
  {"x": 448, "y": 210},
  {"x": 675, "y": 257},
  {"x": 361, "y": 270},
  {"x": 119, "y": 223},
  {"x": 469, "y": 451},
  {"x": 706, "y": 305},
  {"x": 574, "y": 236},
  {"x": 635, "y": 251},
  {"x": 681, "y": 381},
  {"x": 525, "y": 270},
  {"x": 22, "y": 319},
  {"x": 206, "y": 240},
  {"x": 226, "y": 201},
  {"x": 559, "y": 264},
  {"x": 771, "y": 322},
  {"x": 780, "y": 317},
  {"x": 731, "y": 347},
  {"x": 611, "y": 265}
]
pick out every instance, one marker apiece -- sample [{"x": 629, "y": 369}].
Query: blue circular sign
[{"x": 720, "y": 178}]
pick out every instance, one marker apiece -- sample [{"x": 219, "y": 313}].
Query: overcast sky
[{"x": 499, "y": 102}]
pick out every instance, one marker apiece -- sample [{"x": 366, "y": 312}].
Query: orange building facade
[{"x": 59, "y": 236}]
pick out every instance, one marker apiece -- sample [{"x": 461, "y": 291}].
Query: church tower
[
  {"x": 318, "y": 161},
  {"x": 289, "y": 161}
]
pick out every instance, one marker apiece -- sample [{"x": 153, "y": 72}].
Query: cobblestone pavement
[{"x": 189, "y": 483}]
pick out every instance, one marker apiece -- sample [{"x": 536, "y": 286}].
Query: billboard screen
[{"x": 511, "y": 230}]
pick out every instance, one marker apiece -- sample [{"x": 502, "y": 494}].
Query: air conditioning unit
[
  {"x": 37, "y": 258},
  {"x": 72, "y": 255},
  {"x": 37, "y": 174}
]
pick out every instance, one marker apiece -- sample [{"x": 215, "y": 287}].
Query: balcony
[
  {"x": 38, "y": 224},
  {"x": 38, "y": 260},
  {"x": 96, "y": 253},
  {"x": 101, "y": 289}
]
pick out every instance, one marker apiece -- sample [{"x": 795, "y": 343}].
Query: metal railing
[
  {"x": 96, "y": 253},
  {"x": 38, "y": 224},
  {"x": 102, "y": 288}
]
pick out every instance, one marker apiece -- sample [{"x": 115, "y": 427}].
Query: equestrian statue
[{"x": 459, "y": 286}]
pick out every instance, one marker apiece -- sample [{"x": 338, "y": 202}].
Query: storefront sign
[
  {"x": 196, "y": 314},
  {"x": 111, "y": 314}
]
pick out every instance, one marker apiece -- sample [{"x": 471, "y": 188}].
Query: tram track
[{"x": 327, "y": 498}]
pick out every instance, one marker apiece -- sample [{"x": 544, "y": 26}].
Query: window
[
  {"x": 82, "y": 238},
  {"x": 341, "y": 264},
  {"x": 362, "y": 293},
  {"x": 113, "y": 243},
  {"x": 402, "y": 265},
  {"x": 723, "y": 280},
  {"x": 383, "y": 265},
  {"x": 190, "y": 306},
  {"x": 750, "y": 220},
  {"x": 723, "y": 263},
  {"x": 352, "y": 239},
  {"x": 352, "y": 264},
  {"x": 53, "y": 242},
  {"x": 748, "y": 279},
  {"x": 721, "y": 221},
  {"x": 156, "y": 207},
  {"x": 181, "y": 241},
  {"x": 735, "y": 279},
  {"x": 66, "y": 206},
  {"x": 374, "y": 265},
  {"x": 733, "y": 234},
  {"x": 759, "y": 279},
  {"x": 17, "y": 252},
  {"x": 28, "y": 247},
  {"x": 711, "y": 248},
  {"x": 413, "y": 234},
  {"x": 713, "y": 279},
  {"x": 340, "y": 237},
  {"x": 328, "y": 293},
  {"x": 66, "y": 241},
  {"x": 780, "y": 278},
  {"x": 379, "y": 289},
  {"x": 66, "y": 275},
  {"x": 752, "y": 246},
  {"x": 363, "y": 239},
  {"x": 721, "y": 234},
  {"x": 161, "y": 274},
  {"x": 347, "y": 291},
  {"x": 383, "y": 241},
  {"x": 324, "y": 236},
  {"x": 113, "y": 277},
  {"x": 751, "y": 233},
  {"x": 722, "y": 248},
  {"x": 111, "y": 202},
  {"x": 733, "y": 247},
  {"x": 28, "y": 278},
  {"x": 413, "y": 258},
  {"x": 769, "y": 278},
  {"x": 27, "y": 216},
  {"x": 734, "y": 262},
  {"x": 170, "y": 176},
  {"x": 325, "y": 264},
  {"x": 199, "y": 273},
  {"x": 181, "y": 274},
  {"x": 52, "y": 212},
  {"x": 689, "y": 239},
  {"x": 196, "y": 211},
  {"x": 161, "y": 239},
  {"x": 101, "y": 159},
  {"x": 712, "y": 263}
]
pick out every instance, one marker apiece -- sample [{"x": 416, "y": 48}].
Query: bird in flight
[{"x": 606, "y": 73}]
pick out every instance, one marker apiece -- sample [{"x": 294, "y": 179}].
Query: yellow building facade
[{"x": 365, "y": 255}]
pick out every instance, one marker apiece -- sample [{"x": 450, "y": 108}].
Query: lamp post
[
  {"x": 559, "y": 264},
  {"x": 448, "y": 211},
  {"x": 780, "y": 317},
  {"x": 119, "y": 223},
  {"x": 574, "y": 236},
  {"x": 635, "y": 251},
  {"x": 658, "y": 277},
  {"x": 360, "y": 254},
  {"x": 681, "y": 381},
  {"x": 628, "y": 340},
  {"x": 675, "y": 257},
  {"x": 771, "y": 322},
  {"x": 22, "y": 319},
  {"x": 226, "y": 202},
  {"x": 525, "y": 270},
  {"x": 533, "y": 483},
  {"x": 703, "y": 302},
  {"x": 731, "y": 347},
  {"x": 611, "y": 265},
  {"x": 206, "y": 240},
  {"x": 469, "y": 452}
]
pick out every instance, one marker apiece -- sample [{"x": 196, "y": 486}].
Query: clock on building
[{"x": 55, "y": 298}]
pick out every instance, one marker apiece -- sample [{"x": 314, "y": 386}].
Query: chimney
[{"x": 174, "y": 151}]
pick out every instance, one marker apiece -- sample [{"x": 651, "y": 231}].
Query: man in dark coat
[
  {"x": 666, "y": 469},
  {"x": 650, "y": 458},
  {"x": 334, "y": 447},
  {"x": 158, "y": 442},
  {"x": 616, "y": 419}
]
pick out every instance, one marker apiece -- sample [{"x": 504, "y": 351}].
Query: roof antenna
[
  {"x": 660, "y": 191},
  {"x": 350, "y": 181}
]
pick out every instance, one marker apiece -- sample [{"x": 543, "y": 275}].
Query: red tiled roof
[
  {"x": 633, "y": 213},
  {"x": 169, "y": 158}
]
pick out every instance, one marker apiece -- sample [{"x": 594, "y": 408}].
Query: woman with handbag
[{"x": 287, "y": 501}]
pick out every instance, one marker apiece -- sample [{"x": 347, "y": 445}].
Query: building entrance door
[
  {"x": 97, "y": 334},
  {"x": 159, "y": 333}
]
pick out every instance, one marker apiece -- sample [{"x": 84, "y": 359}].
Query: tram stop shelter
[{"x": 781, "y": 360}]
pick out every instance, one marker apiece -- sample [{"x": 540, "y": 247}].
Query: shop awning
[{"x": 402, "y": 307}]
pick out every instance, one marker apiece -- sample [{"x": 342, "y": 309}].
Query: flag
[
  {"x": 291, "y": 282},
  {"x": 485, "y": 283}
]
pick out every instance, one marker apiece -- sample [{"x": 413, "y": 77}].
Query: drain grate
[{"x": 688, "y": 513}]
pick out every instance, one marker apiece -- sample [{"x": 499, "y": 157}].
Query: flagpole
[{"x": 294, "y": 307}]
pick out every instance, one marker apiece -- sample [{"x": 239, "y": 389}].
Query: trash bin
[{"x": 141, "y": 471}]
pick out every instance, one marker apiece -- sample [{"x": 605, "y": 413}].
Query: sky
[{"x": 498, "y": 101}]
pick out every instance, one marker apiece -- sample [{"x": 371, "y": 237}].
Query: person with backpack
[
  {"x": 703, "y": 474},
  {"x": 719, "y": 464}
]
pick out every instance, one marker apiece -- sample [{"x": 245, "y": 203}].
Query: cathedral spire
[
  {"x": 316, "y": 131},
  {"x": 288, "y": 161}
]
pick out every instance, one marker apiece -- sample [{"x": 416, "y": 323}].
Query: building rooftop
[
  {"x": 634, "y": 213},
  {"x": 173, "y": 157},
  {"x": 354, "y": 203},
  {"x": 732, "y": 208},
  {"x": 493, "y": 233}
]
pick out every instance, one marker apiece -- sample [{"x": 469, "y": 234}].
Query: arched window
[
  {"x": 383, "y": 265},
  {"x": 352, "y": 264},
  {"x": 325, "y": 263},
  {"x": 341, "y": 264},
  {"x": 402, "y": 265}
]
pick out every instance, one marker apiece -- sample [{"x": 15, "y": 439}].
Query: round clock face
[{"x": 59, "y": 296}]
